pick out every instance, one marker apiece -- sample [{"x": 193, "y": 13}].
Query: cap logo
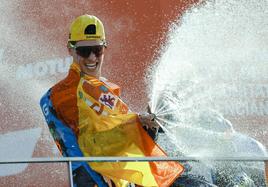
[
  {"x": 90, "y": 29},
  {"x": 93, "y": 37}
]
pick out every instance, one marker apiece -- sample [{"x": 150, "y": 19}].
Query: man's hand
[
  {"x": 150, "y": 125},
  {"x": 148, "y": 120}
]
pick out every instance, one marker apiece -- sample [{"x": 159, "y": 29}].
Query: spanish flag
[{"x": 105, "y": 127}]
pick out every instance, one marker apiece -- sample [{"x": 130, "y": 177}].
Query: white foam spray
[
  {"x": 210, "y": 53},
  {"x": 211, "y": 57}
]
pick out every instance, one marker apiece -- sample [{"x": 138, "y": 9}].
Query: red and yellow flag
[{"x": 106, "y": 127}]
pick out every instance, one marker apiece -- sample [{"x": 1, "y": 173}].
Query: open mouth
[{"x": 91, "y": 66}]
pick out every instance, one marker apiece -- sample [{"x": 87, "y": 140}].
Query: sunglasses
[{"x": 85, "y": 51}]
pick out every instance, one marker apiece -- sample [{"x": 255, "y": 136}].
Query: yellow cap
[{"x": 87, "y": 27}]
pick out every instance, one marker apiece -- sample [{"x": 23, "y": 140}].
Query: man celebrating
[{"x": 87, "y": 118}]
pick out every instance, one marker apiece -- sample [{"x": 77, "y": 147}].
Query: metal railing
[
  {"x": 69, "y": 160},
  {"x": 128, "y": 159}
]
